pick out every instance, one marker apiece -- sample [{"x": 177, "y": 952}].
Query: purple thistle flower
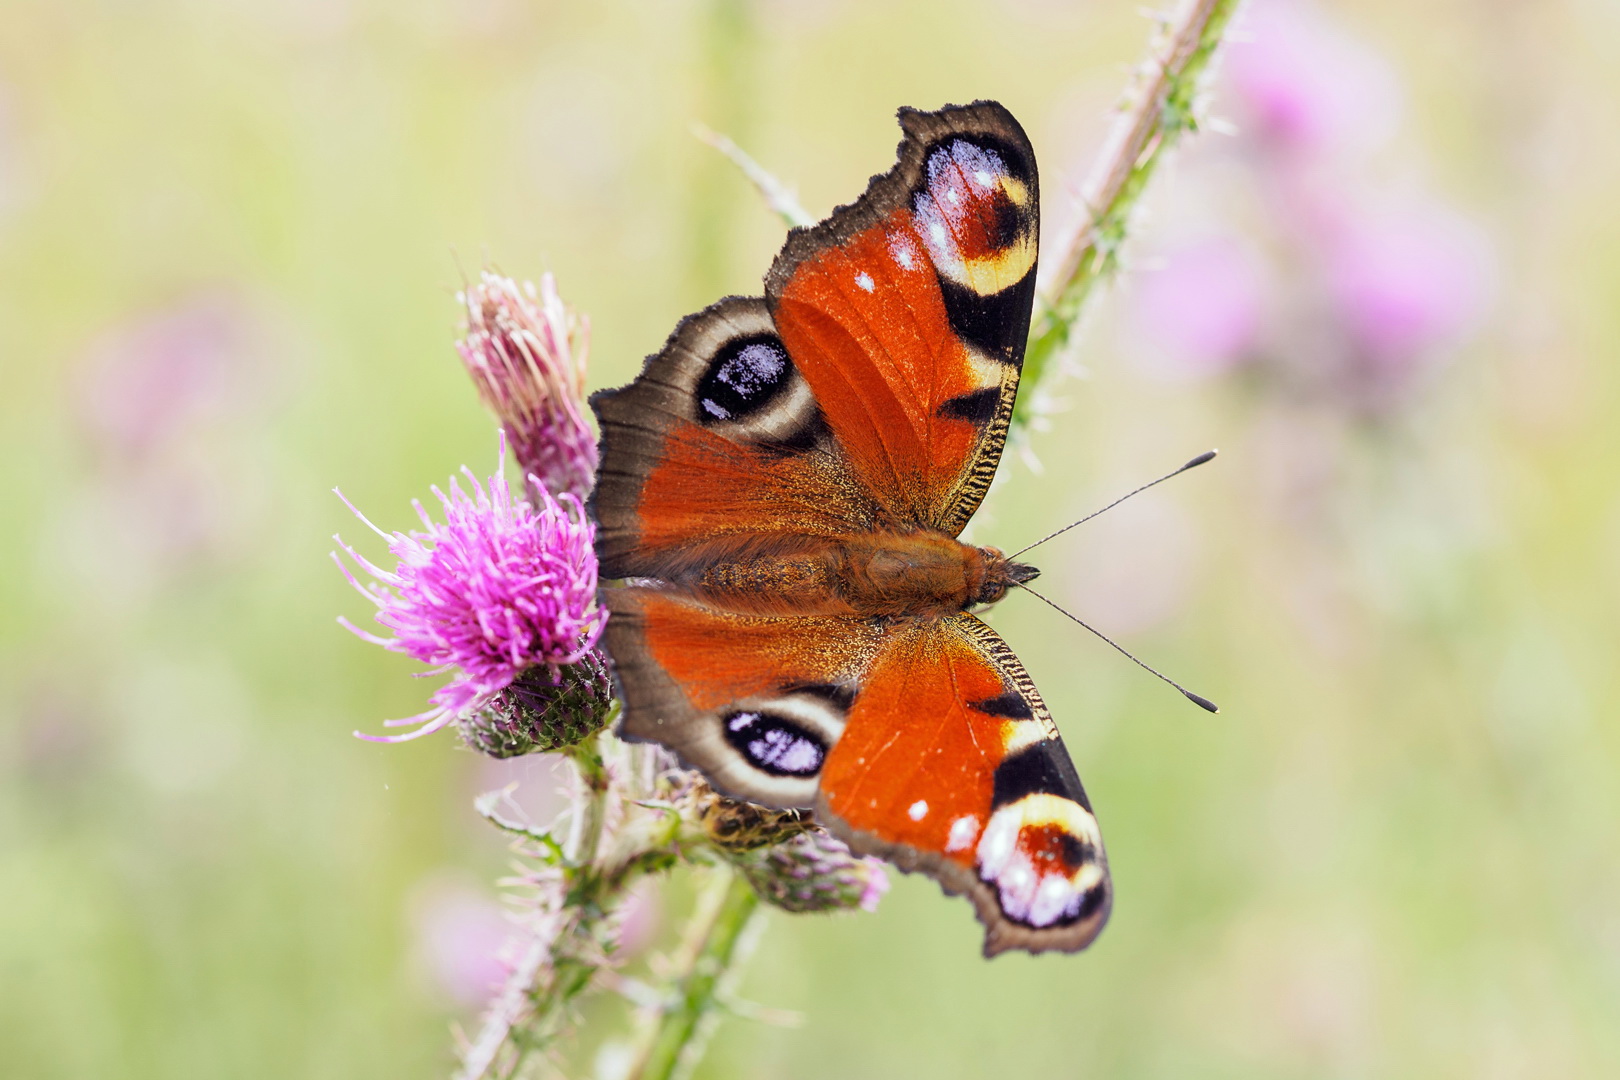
[
  {"x": 525, "y": 351},
  {"x": 501, "y": 587},
  {"x": 544, "y": 709}
]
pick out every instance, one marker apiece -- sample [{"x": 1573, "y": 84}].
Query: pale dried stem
[
  {"x": 778, "y": 196},
  {"x": 1163, "y": 105}
]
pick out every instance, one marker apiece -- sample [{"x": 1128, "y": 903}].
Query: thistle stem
[
  {"x": 705, "y": 963},
  {"x": 546, "y": 978},
  {"x": 1165, "y": 106}
]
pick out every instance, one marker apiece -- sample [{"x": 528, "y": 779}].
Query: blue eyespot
[
  {"x": 774, "y": 744},
  {"x": 744, "y": 377}
]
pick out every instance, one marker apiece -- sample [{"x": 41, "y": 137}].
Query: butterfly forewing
[
  {"x": 907, "y": 311},
  {"x": 719, "y": 436}
]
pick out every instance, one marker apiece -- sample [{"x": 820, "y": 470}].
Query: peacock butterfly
[{"x": 781, "y": 490}]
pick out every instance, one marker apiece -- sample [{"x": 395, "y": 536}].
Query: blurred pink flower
[
  {"x": 526, "y": 351},
  {"x": 170, "y": 404},
  {"x": 460, "y": 936},
  {"x": 1203, "y": 309},
  {"x": 500, "y": 587},
  {"x": 143, "y": 381},
  {"x": 1407, "y": 282},
  {"x": 640, "y": 918},
  {"x": 1300, "y": 84}
]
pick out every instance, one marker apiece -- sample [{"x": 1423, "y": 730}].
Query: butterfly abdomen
[{"x": 882, "y": 574}]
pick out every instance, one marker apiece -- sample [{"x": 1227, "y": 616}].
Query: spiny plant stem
[
  {"x": 778, "y": 196},
  {"x": 1164, "y": 107},
  {"x": 712, "y": 947},
  {"x": 529, "y": 1009}
]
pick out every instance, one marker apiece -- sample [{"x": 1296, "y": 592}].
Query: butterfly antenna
[
  {"x": 1207, "y": 455},
  {"x": 1197, "y": 699}
]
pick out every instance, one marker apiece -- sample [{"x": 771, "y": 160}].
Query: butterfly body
[
  {"x": 882, "y": 574},
  {"x": 781, "y": 492}
]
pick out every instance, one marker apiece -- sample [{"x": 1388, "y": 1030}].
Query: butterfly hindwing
[
  {"x": 755, "y": 702},
  {"x": 949, "y": 763},
  {"x": 907, "y": 311},
  {"x": 927, "y": 745}
]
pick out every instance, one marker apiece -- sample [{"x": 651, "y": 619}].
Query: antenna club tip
[
  {"x": 1206, "y": 456},
  {"x": 1202, "y": 702}
]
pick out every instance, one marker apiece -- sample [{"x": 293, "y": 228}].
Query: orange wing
[
  {"x": 755, "y": 702},
  {"x": 949, "y": 763},
  {"x": 907, "y": 311}
]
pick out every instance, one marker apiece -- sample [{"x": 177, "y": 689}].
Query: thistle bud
[
  {"x": 813, "y": 871},
  {"x": 735, "y": 826},
  {"x": 544, "y": 709},
  {"x": 525, "y": 350}
]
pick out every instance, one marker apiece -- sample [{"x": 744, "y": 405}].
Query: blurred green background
[{"x": 230, "y": 236}]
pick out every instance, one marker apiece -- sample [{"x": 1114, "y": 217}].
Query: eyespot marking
[
  {"x": 975, "y": 211},
  {"x": 775, "y": 744},
  {"x": 1042, "y": 856},
  {"x": 744, "y": 377}
]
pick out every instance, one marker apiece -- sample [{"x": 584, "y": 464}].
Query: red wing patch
[{"x": 719, "y": 436}]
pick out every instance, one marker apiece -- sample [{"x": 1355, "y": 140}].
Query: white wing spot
[
  {"x": 902, "y": 251},
  {"x": 984, "y": 178},
  {"x": 864, "y": 280},
  {"x": 964, "y": 830},
  {"x": 918, "y": 810}
]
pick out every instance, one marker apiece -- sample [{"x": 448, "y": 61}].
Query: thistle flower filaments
[
  {"x": 525, "y": 350},
  {"x": 500, "y": 588}
]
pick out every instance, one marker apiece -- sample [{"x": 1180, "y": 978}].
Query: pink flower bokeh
[
  {"x": 1203, "y": 308},
  {"x": 1300, "y": 85}
]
